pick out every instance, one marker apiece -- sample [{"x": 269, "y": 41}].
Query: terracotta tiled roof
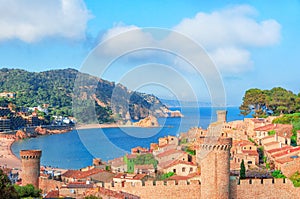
[
  {"x": 284, "y": 160},
  {"x": 283, "y": 130},
  {"x": 176, "y": 162},
  {"x": 170, "y": 152},
  {"x": 176, "y": 177},
  {"x": 272, "y": 143},
  {"x": 242, "y": 143},
  {"x": 74, "y": 185},
  {"x": 77, "y": 174},
  {"x": 52, "y": 194},
  {"x": 258, "y": 120},
  {"x": 285, "y": 152},
  {"x": 147, "y": 166},
  {"x": 279, "y": 149},
  {"x": 130, "y": 176},
  {"x": 250, "y": 152},
  {"x": 131, "y": 156}
]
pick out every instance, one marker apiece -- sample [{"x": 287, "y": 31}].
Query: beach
[
  {"x": 95, "y": 126},
  {"x": 7, "y": 158}
]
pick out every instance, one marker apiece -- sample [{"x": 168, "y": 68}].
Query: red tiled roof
[
  {"x": 131, "y": 156},
  {"x": 283, "y": 130},
  {"x": 169, "y": 152},
  {"x": 176, "y": 177},
  {"x": 52, "y": 194},
  {"x": 242, "y": 143},
  {"x": 179, "y": 162},
  {"x": 250, "y": 152},
  {"x": 285, "y": 152},
  {"x": 147, "y": 166},
  {"x": 73, "y": 185},
  {"x": 81, "y": 174},
  {"x": 279, "y": 149},
  {"x": 130, "y": 176},
  {"x": 268, "y": 127},
  {"x": 272, "y": 143},
  {"x": 258, "y": 120},
  {"x": 284, "y": 160}
]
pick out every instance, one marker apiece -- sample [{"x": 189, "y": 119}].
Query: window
[
  {"x": 191, "y": 169},
  {"x": 183, "y": 169},
  {"x": 174, "y": 170}
]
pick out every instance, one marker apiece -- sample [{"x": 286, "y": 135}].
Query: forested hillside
[{"x": 55, "y": 87}]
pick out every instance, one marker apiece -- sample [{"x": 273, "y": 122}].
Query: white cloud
[
  {"x": 227, "y": 34},
  {"x": 34, "y": 20}
]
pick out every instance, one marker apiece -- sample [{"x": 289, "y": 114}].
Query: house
[
  {"x": 118, "y": 165},
  {"x": 172, "y": 154},
  {"x": 281, "y": 133},
  {"x": 243, "y": 150},
  {"x": 75, "y": 189},
  {"x": 144, "y": 169},
  {"x": 94, "y": 174},
  {"x": 129, "y": 160},
  {"x": 172, "y": 140},
  {"x": 180, "y": 168},
  {"x": 126, "y": 177},
  {"x": 139, "y": 150}
]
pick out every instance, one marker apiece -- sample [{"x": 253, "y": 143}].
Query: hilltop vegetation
[
  {"x": 56, "y": 88},
  {"x": 270, "y": 102}
]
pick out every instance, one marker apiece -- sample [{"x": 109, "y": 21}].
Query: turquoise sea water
[{"x": 77, "y": 148}]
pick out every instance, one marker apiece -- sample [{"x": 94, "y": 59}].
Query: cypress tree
[{"x": 243, "y": 170}]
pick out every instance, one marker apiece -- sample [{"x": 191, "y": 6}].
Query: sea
[{"x": 77, "y": 148}]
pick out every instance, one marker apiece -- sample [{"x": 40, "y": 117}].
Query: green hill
[{"x": 56, "y": 88}]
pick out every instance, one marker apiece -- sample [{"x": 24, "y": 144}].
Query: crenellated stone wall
[
  {"x": 159, "y": 189},
  {"x": 263, "y": 189}
]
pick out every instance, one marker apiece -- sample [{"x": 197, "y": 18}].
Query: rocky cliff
[{"x": 149, "y": 121}]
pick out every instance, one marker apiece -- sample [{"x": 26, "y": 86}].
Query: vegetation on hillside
[
  {"x": 264, "y": 102},
  {"x": 146, "y": 159},
  {"x": 55, "y": 88}
]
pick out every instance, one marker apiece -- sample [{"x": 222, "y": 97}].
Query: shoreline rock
[{"x": 149, "y": 121}]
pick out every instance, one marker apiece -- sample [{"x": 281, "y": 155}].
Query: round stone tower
[
  {"x": 215, "y": 168},
  {"x": 221, "y": 116},
  {"x": 30, "y": 167}
]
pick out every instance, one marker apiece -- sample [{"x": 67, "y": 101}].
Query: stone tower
[
  {"x": 221, "y": 116},
  {"x": 215, "y": 168},
  {"x": 30, "y": 167}
]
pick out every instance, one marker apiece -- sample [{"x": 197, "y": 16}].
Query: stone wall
[
  {"x": 263, "y": 189},
  {"x": 161, "y": 189}
]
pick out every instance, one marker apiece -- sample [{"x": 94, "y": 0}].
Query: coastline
[{"x": 7, "y": 157}]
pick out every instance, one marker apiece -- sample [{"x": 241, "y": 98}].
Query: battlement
[
  {"x": 148, "y": 184},
  {"x": 221, "y": 144},
  {"x": 268, "y": 181},
  {"x": 30, "y": 154}
]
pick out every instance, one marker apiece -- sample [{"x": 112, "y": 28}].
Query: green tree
[
  {"x": 278, "y": 174},
  {"x": 27, "y": 191},
  {"x": 243, "y": 170},
  {"x": 6, "y": 188},
  {"x": 92, "y": 197}
]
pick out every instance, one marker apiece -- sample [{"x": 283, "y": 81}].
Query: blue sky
[{"x": 251, "y": 43}]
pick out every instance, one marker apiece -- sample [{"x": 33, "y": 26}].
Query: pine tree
[{"x": 243, "y": 170}]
